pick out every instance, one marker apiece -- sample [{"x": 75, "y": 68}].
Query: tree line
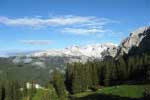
[{"x": 94, "y": 74}]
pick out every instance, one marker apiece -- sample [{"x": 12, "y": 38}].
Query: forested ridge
[{"x": 81, "y": 77}]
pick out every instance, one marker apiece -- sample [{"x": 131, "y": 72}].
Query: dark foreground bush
[{"x": 147, "y": 94}]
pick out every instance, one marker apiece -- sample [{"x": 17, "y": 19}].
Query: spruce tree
[
  {"x": 123, "y": 69},
  {"x": 1, "y": 91},
  {"x": 58, "y": 83},
  {"x": 76, "y": 81},
  {"x": 107, "y": 75},
  {"x": 49, "y": 94}
]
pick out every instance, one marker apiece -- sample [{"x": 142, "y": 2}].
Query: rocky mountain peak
[
  {"x": 134, "y": 40},
  {"x": 91, "y": 51},
  {"x": 140, "y": 31}
]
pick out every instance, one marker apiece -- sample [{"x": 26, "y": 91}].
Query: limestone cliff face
[{"x": 137, "y": 42}]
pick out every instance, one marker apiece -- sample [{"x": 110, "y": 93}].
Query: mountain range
[
  {"x": 138, "y": 39},
  {"x": 39, "y": 65}
]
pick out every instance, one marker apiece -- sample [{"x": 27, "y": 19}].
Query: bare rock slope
[{"x": 137, "y": 43}]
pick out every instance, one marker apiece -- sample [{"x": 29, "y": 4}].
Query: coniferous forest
[
  {"x": 82, "y": 77},
  {"x": 92, "y": 75}
]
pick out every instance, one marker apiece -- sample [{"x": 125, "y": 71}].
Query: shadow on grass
[{"x": 104, "y": 97}]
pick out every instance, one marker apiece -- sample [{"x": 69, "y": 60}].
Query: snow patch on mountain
[{"x": 93, "y": 50}]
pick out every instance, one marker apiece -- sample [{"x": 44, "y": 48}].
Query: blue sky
[{"x": 44, "y": 24}]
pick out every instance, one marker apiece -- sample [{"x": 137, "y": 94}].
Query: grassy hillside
[{"x": 122, "y": 92}]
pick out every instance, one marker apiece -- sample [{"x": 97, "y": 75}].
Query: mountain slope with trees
[{"x": 130, "y": 66}]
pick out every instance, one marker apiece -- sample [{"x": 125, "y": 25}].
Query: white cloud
[
  {"x": 59, "y": 20},
  {"x": 37, "y": 42},
  {"x": 80, "y": 25},
  {"x": 83, "y": 31}
]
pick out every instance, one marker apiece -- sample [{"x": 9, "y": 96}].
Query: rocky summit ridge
[
  {"x": 91, "y": 51},
  {"x": 137, "y": 40}
]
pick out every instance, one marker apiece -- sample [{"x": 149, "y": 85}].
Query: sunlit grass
[{"x": 132, "y": 91}]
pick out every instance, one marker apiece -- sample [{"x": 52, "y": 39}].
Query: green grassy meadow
[{"x": 122, "y": 92}]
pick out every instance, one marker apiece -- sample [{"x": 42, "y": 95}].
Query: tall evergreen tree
[
  {"x": 107, "y": 78},
  {"x": 49, "y": 94},
  {"x": 58, "y": 83},
  {"x": 123, "y": 69},
  {"x": 31, "y": 91}
]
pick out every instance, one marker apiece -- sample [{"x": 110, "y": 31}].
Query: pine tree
[
  {"x": 123, "y": 69},
  {"x": 58, "y": 83},
  {"x": 16, "y": 93},
  {"x": 130, "y": 67},
  {"x": 76, "y": 81},
  {"x": 8, "y": 91},
  {"x": 31, "y": 91},
  {"x": 95, "y": 75},
  {"x": 69, "y": 77},
  {"x": 89, "y": 79},
  {"x": 49, "y": 94},
  {"x": 114, "y": 74},
  {"x": 52, "y": 92},
  {"x": 25, "y": 90},
  {"x": 107, "y": 75},
  {"x": 1, "y": 91}
]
